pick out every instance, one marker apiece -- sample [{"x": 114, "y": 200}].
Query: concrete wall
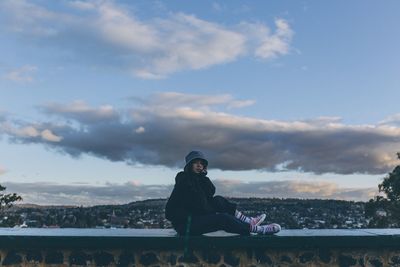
[
  {"x": 162, "y": 247},
  {"x": 236, "y": 257}
]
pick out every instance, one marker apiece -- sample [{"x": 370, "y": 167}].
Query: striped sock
[
  {"x": 242, "y": 217},
  {"x": 255, "y": 229},
  {"x": 272, "y": 228}
]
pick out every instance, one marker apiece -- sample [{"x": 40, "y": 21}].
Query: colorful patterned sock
[
  {"x": 272, "y": 228},
  {"x": 242, "y": 217}
]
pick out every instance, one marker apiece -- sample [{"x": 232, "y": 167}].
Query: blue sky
[{"x": 101, "y": 100}]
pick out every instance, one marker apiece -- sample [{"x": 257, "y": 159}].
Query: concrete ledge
[
  {"x": 20, "y": 238},
  {"x": 162, "y": 247}
]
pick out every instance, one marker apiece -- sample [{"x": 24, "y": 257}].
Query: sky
[{"x": 101, "y": 100}]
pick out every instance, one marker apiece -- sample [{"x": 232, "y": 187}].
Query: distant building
[{"x": 381, "y": 213}]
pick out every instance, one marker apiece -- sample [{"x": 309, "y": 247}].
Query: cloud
[
  {"x": 82, "y": 5},
  {"x": 2, "y": 170},
  {"x": 46, "y": 193},
  {"x": 162, "y": 129},
  {"x": 49, "y": 136},
  {"x": 105, "y": 33},
  {"x": 393, "y": 120},
  {"x": 174, "y": 99},
  {"x": 80, "y": 111},
  {"x": 23, "y": 74},
  {"x": 87, "y": 195},
  {"x": 292, "y": 189},
  {"x": 140, "y": 130},
  {"x": 270, "y": 45},
  {"x": 241, "y": 104},
  {"x": 38, "y": 132}
]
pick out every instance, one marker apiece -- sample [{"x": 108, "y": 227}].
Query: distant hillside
[
  {"x": 36, "y": 206},
  {"x": 244, "y": 203},
  {"x": 290, "y": 213}
]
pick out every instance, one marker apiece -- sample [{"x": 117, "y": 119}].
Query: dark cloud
[
  {"x": 87, "y": 195},
  {"x": 157, "y": 132}
]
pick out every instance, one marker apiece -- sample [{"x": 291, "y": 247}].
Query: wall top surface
[{"x": 168, "y": 239}]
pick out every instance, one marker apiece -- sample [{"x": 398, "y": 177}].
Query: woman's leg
[
  {"x": 221, "y": 204},
  {"x": 220, "y": 221}
]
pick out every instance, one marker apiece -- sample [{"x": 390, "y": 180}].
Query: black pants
[{"x": 222, "y": 218}]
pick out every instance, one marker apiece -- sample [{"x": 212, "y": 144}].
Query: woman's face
[{"x": 197, "y": 166}]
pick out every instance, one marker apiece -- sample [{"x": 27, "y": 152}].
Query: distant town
[{"x": 289, "y": 213}]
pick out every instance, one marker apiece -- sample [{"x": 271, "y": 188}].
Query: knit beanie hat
[{"x": 195, "y": 155}]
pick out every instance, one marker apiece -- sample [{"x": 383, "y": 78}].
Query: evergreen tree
[
  {"x": 7, "y": 200},
  {"x": 384, "y": 211}
]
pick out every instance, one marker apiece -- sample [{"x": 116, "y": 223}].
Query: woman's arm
[
  {"x": 208, "y": 186},
  {"x": 191, "y": 193}
]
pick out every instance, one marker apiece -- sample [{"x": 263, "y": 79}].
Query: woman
[{"x": 192, "y": 207}]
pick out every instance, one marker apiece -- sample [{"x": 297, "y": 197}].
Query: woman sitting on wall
[{"x": 193, "y": 209}]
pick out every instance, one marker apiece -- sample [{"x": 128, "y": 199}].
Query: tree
[
  {"x": 7, "y": 200},
  {"x": 384, "y": 211},
  {"x": 391, "y": 184}
]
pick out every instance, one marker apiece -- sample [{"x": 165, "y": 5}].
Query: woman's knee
[
  {"x": 220, "y": 201},
  {"x": 218, "y": 197},
  {"x": 221, "y": 204}
]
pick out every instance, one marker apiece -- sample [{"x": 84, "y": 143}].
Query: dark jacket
[{"x": 191, "y": 196}]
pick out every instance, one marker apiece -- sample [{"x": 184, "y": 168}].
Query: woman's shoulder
[
  {"x": 180, "y": 176},
  {"x": 181, "y": 173}
]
